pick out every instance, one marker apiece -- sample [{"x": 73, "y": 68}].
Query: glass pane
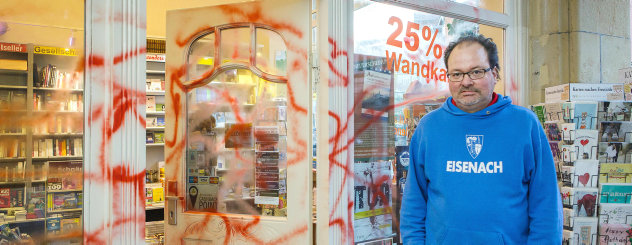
[
  {"x": 271, "y": 52},
  {"x": 399, "y": 77},
  {"x": 201, "y": 56},
  {"x": 493, "y": 5},
  {"x": 236, "y": 146},
  {"x": 41, "y": 123},
  {"x": 235, "y": 45}
]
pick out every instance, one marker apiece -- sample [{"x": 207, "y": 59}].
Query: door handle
[{"x": 172, "y": 207}]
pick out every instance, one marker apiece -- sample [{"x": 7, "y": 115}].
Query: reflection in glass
[
  {"x": 271, "y": 52},
  {"x": 235, "y": 45},
  {"x": 236, "y": 145},
  {"x": 201, "y": 56}
]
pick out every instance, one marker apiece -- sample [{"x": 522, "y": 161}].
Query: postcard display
[
  {"x": 237, "y": 158},
  {"x": 590, "y": 142}
]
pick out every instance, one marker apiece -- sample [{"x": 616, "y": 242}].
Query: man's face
[{"x": 471, "y": 95}]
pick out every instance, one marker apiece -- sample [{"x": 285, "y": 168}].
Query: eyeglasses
[{"x": 473, "y": 74}]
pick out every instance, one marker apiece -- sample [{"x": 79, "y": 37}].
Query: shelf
[
  {"x": 7, "y": 71},
  {"x": 12, "y": 159},
  {"x": 57, "y": 158},
  {"x": 13, "y": 182},
  {"x": 155, "y": 92},
  {"x": 49, "y": 111},
  {"x": 64, "y": 210},
  {"x": 12, "y": 134},
  {"x": 155, "y": 144},
  {"x": 155, "y": 112},
  {"x": 222, "y": 169},
  {"x": 12, "y": 87},
  {"x": 155, "y": 128},
  {"x": 58, "y": 89},
  {"x": 155, "y": 72},
  {"x": 155, "y": 206},
  {"x": 58, "y": 134},
  {"x": 25, "y": 221},
  {"x": 63, "y": 191}
]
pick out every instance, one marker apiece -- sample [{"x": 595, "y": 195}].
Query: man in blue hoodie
[{"x": 481, "y": 169}]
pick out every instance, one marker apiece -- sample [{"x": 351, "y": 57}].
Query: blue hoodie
[{"x": 481, "y": 178}]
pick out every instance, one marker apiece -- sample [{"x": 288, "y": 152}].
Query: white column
[
  {"x": 114, "y": 150},
  {"x": 335, "y": 91}
]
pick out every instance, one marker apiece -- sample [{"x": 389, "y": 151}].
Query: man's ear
[{"x": 496, "y": 73}]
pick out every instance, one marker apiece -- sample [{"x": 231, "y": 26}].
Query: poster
[
  {"x": 372, "y": 202},
  {"x": 377, "y": 98}
]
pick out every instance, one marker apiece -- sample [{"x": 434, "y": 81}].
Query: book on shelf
[
  {"x": 12, "y": 148},
  {"x": 160, "y": 107},
  {"x": 159, "y": 137},
  {"x": 152, "y": 122},
  {"x": 36, "y": 202},
  {"x": 17, "y": 197},
  {"x": 5, "y": 197},
  {"x": 160, "y": 121},
  {"x": 10, "y": 64},
  {"x": 57, "y": 147},
  {"x": 10, "y": 99},
  {"x": 50, "y": 77},
  {"x": 150, "y": 138},
  {"x": 150, "y": 103},
  {"x": 53, "y": 225}
]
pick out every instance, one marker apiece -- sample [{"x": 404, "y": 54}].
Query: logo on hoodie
[{"x": 474, "y": 144}]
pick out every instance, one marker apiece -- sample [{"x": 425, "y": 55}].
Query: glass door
[{"x": 237, "y": 100}]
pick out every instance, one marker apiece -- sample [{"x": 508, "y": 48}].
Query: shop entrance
[{"x": 237, "y": 106}]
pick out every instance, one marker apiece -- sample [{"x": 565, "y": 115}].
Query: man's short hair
[{"x": 487, "y": 43}]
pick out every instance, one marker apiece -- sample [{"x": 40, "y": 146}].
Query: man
[{"x": 481, "y": 169}]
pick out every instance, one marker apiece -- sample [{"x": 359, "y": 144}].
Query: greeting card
[
  {"x": 568, "y": 131},
  {"x": 614, "y": 111},
  {"x": 586, "y": 172},
  {"x": 585, "y": 115},
  {"x": 584, "y": 230},
  {"x": 567, "y": 175},
  {"x": 586, "y": 144},
  {"x": 567, "y": 110},
  {"x": 568, "y": 216},
  {"x": 615, "y": 193},
  {"x": 585, "y": 202},
  {"x": 553, "y": 111},
  {"x": 569, "y": 153},
  {"x": 552, "y": 131},
  {"x": 538, "y": 109},
  {"x": 613, "y": 213},
  {"x": 614, "y": 234},
  {"x": 566, "y": 196},
  {"x": 615, "y": 173},
  {"x": 613, "y": 152},
  {"x": 609, "y": 132}
]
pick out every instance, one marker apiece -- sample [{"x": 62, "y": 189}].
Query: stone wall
[{"x": 581, "y": 41}]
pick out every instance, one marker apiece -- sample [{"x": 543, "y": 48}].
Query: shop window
[
  {"x": 399, "y": 76},
  {"x": 236, "y": 124}
]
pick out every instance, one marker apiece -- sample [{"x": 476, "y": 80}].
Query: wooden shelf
[
  {"x": 7, "y": 71},
  {"x": 25, "y": 221},
  {"x": 57, "y": 158},
  {"x": 12, "y": 159},
  {"x": 156, "y": 93},
  {"x": 63, "y": 191},
  {"x": 12, "y": 134},
  {"x": 155, "y": 206},
  {"x": 12, "y": 87},
  {"x": 64, "y": 210},
  {"x": 58, "y": 89},
  {"x": 155, "y": 112},
  {"x": 58, "y": 134}
]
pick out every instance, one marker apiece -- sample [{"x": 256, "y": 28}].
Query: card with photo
[
  {"x": 568, "y": 216},
  {"x": 538, "y": 109},
  {"x": 585, "y": 115},
  {"x": 609, "y": 132},
  {"x": 567, "y": 175},
  {"x": 569, "y": 153},
  {"x": 566, "y": 196},
  {"x": 585, "y": 202},
  {"x": 555, "y": 149},
  {"x": 586, "y": 173},
  {"x": 614, "y": 111},
  {"x": 614, "y": 152},
  {"x": 586, "y": 144}
]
